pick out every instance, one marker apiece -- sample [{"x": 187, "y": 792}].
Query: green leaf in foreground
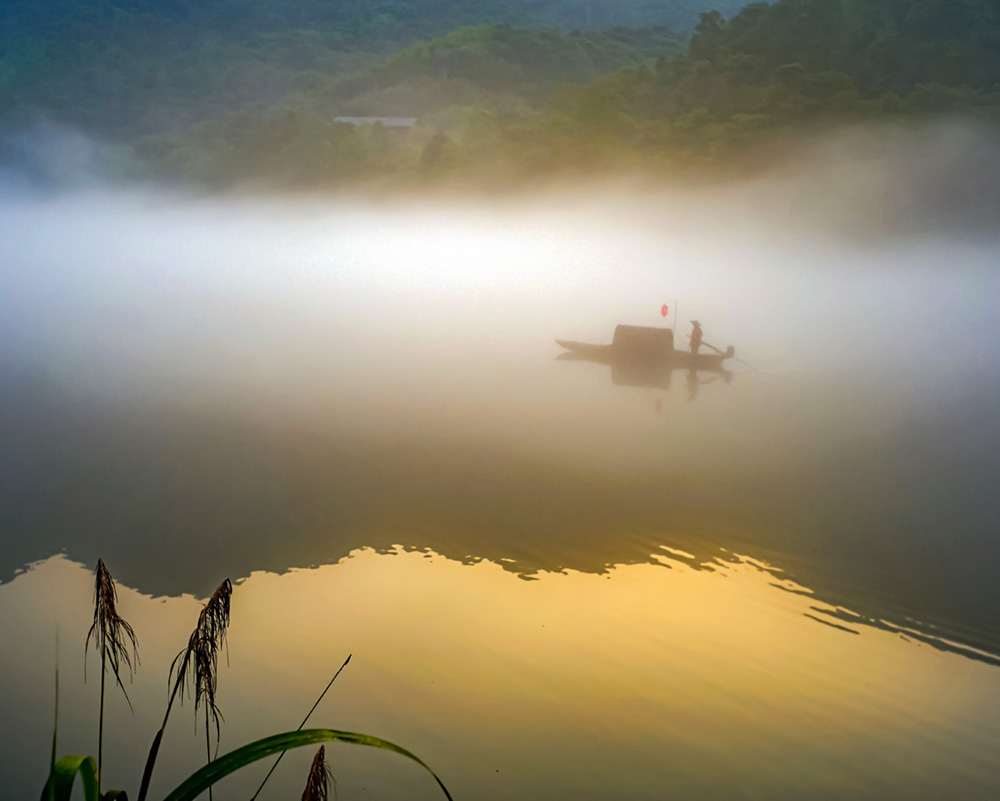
[
  {"x": 198, "y": 782},
  {"x": 59, "y": 787}
]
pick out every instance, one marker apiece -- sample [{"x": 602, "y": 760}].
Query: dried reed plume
[
  {"x": 320, "y": 776},
  {"x": 197, "y": 666},
  {"x": 111, "y": 633},
  {"x": 112, "y": 637},
  {"x": 198, "y": 663}
]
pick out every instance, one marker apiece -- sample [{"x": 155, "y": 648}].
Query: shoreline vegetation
[
  {"x": 275, "y": 103},
  {"x": 193, "y": 671}
]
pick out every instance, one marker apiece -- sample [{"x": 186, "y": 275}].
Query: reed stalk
[
  {"x": 100, "y": 729},
  {"x": 113, "y": 637}
]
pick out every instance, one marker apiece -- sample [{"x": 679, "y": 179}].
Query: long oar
[
  {"x": 718, "y": 350},
  {"x": 707, "y": 345}
]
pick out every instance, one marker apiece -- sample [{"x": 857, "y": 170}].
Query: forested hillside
[
  {"x": 229, "y": 92},
  {"x": 123, "y": 66},
  {"x": 777, "y": 73},
  {"x": 476, "y": 77}
]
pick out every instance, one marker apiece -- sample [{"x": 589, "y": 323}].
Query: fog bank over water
[
  {"x": 895, "y": 181},
  {"x": 132, "y": 287},
  {"x": 277, "y": 382},
  {"x": 281, "y": 309},
  {"x": 872, "y": 181}
]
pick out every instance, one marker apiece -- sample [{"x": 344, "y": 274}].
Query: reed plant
[
  {"x": 195, "y": 667},
  {"x": 112, "y": 636}
]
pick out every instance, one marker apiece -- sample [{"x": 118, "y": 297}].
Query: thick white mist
[{"x": 440, "y": 316}]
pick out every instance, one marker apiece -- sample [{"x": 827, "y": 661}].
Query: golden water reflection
[{"x": 649, "y": 681}]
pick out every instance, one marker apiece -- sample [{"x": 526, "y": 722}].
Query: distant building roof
[{"x": 387, "y": 122}]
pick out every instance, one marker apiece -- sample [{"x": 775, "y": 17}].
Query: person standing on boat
[{"x": 696, "y": 336}]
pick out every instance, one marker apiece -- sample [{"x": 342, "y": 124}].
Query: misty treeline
[{"x": 231, "y": 92}]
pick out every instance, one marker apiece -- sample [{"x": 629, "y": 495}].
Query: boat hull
[{"x": 641, "y": 356}]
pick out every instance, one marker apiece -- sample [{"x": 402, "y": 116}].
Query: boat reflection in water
[{"x": 646, "y": 357}]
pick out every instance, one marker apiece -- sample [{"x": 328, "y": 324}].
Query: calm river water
[{"x": 553, "y": 586}]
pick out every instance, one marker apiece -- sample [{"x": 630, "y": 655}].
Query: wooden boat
[{"x": 641, "y": 356}]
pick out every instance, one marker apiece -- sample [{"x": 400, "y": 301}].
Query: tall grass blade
[
  {"x": 147, "y": 772},
  {"x": 59, "y": 786},
  {"x": 219, "y": 768},
  {"x": 55, "y": 724}
]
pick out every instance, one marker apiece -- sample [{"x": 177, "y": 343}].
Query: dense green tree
[{"x": 247, "y": 91}]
